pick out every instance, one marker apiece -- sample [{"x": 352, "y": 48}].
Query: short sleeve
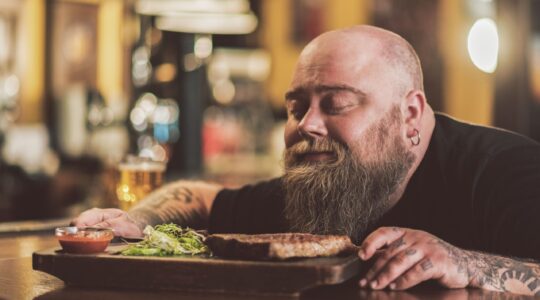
[{"x": 256, "y": 208}]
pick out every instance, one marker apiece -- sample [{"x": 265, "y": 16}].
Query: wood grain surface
[{"x": 194, "y": 273}]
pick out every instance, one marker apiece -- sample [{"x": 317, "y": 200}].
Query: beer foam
[{"x": 142, "y": 166}]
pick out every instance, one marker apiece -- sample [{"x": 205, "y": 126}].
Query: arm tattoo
[
  {"x": 492, "y": 272},
  {"x": 504, "y": 274},
  {"x": 179, "y": 202},
  {"x": 454, "y": 253}
]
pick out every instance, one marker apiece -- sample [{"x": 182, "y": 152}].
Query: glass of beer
[{"x": 137, "y": 177}]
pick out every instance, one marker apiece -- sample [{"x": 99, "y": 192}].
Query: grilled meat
[{"x": 278, "y": 245}]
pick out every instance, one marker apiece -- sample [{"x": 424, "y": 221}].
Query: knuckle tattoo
[
  {"x": 426, "y": 265},
  {"x": 410, "y": 252},
  {"x": 400, "y": 259},
  {"x": 397, "y": 243}
]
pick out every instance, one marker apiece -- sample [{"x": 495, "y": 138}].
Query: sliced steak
[{"x": 278, "y": 245}]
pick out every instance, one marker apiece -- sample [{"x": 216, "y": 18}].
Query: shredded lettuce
[{"x": 168, "y": 240}]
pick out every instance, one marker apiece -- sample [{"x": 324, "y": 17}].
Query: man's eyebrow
[
  {"x": 324, "y": 88},
  {"x": 338, "y": 88},
  {"x": 294, "y": 93}
]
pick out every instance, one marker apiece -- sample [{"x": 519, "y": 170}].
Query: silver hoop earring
[{"x": 415, "y": 139}]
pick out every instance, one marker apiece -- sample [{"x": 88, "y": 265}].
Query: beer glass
[{"x": 137, "y": 177}]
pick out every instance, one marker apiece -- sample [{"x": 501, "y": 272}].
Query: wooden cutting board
[{"x": 194, "y": 273}]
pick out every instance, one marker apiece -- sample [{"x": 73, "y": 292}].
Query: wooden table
[{"x": 19, "y": 281}]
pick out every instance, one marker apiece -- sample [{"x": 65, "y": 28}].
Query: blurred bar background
[{"x": 199, "y": 84}]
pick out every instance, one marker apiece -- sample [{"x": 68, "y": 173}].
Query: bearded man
[{"x": 367, "y": 157}]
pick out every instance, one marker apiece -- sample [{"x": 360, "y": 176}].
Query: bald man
[{"x": 367, "y": 157}]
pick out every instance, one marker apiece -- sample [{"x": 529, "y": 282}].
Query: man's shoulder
[
  {"x": 462, "y": 151},
  {"x": 252, "y": 208},
  {"x": 272, "y": 185},
  {"x": 256, "y": 193},
  {"x": 474, "y": 138}
]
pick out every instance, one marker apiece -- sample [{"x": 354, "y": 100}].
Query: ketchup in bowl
[{"x": 84, "y": 240}]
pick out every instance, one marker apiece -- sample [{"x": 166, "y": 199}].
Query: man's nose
[{"x": 312, "y": 125}]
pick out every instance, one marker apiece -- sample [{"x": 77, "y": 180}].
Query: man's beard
[{"x": 347, "y": 194}]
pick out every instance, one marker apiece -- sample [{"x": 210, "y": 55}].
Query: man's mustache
[
  {"x": 314, "y": 146},
  {"x": 294, "y": 155}
]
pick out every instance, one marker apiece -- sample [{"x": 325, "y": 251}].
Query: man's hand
[
  {"x": 405, "y": 257},
  {"x": 186, "y": 203},
  {"x": 120, "y": 221}
]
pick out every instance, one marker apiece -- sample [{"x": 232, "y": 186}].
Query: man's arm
[
  {"x": 183, "y": 202},
  {"x": 187, "y": 203},
  {"x": 405, "y": 257},
  {"x": 497, "y": 273}
]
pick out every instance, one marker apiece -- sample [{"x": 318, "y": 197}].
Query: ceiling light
[{"x": 483, "y": 44}]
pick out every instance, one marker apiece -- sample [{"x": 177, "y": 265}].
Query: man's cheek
[{"x": 291, "y": 135}]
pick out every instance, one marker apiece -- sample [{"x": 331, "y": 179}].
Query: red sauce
[{"x": 84, "y": 244}]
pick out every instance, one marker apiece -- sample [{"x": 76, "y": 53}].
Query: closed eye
[
  {"x": 338, "y": 103},
  {"x": 339, "y": 109}
]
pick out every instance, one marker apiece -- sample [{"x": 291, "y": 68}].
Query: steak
[{"x": 278, "y": 245}]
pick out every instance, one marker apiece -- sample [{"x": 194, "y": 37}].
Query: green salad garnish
[{"x": 168, "y": 240}]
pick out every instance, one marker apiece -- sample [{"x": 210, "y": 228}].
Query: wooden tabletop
[{"x": 19, "y": 281}]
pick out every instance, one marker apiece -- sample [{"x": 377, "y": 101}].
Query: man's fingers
[
  {"x": 94, "y": 216},
  {"x": 121, "y": 227},
  {"x": 113, "y": 218},
  {"x": 87, "y": 218},
  {"x": 395, "y": 267},
  {"x": 114, "y": 224},
  {"x": 379, "y": 238},
  {"x": 420, "y": 272},
  {"x": 110, "y": 213},
  {"x": 386, "y": 255}
]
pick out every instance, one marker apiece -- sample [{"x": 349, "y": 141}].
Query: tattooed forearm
[
  {"x": 492, "y": 272},
  {"x": 504, "y": 274},
  {"x": 185, "y": 203}
]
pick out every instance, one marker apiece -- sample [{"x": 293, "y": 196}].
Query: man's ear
[{"x": 413, "y": 110}]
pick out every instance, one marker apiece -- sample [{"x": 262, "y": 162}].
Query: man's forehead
[
  {"x": 337, "y": 74},
  {"x": 345, "y": 64}
]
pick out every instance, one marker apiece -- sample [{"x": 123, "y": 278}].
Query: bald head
[
  {"x": 398, "y": 52},
  {"x": 369, "y": 43}
]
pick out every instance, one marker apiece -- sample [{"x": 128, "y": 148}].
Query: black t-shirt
[{"x": 476, "y": 188}]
